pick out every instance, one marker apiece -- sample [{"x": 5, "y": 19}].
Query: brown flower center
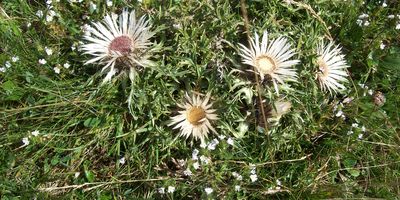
[
  {"x": 121, "y": 44},
  {"x": 265, "y": 64},
  {"x": 195, "y": 115}
]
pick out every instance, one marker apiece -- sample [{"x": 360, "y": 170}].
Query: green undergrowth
[{"x": 85, "y": 129}]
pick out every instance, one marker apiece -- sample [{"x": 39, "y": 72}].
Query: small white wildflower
[
  {"x": 109, "y": 3},
  {"x": 92, "y": 6},
  {"x": 366, "y": 23},
  {"x": 253, "y": 178},
  {"x": 7, "y": 64},
  {"x": 195, "y": 153},
  {"x": 359, "y": 22},
  {"x": 390, "y": 16},
  {"x": 382, "y": 46},
  {"x": 76, "y": 175},
  {"x": 363, "y": 129},
  {"x": 48, "y": 2},
  {"x": 398, "y": 26},
  {"x": 42, "y": 61},
  {"x": 35, "y": 133},
  {"x": 252, "y": 168},
  {"x": 161, "y": 190},
  {"x": 187, "y": 172},
  {"x": 213, "y": 144},
  {"x": 49, "y": 51},
  {"x": 182, "y": 162},
  {"x": 237, "y": 188},
  {"x": 354, "y": 125},
  {"x": 370, "y": 92},
  {"x": 350, "y": 132},
  {"x": 204, "y": 160},
  {"x": 39, "y": 13},
  {"x": 176, "y": 25},
  {"x": 2, "y": 69},
  {"x": 196, "y": 165},
  {"x": 66, "y": 65},
  {"x": 221, "y": 137},
  {"x": 15, "y": 59},
  {"x": 237, "y": 176},
  {"x": 122, "y": 161},
  {"x": 28, "y": 24},
  {"x": 384, "y": 4},
  {"x": 25, "y": 140},
  {"x": 278, "y": 182},
  {"x": 50, "y": 15},
  {"x": 363, "y": 16},
  {"x": 57, "y": 70},
  {"x": 208, "y": 190},
  {"x": 171, "y": 189},
  {"x": 230, "y": 141},
  {"x": 360, "y": 136},
  {"x": 339, "y": 113},
  {"x": 348, "y": 99}
]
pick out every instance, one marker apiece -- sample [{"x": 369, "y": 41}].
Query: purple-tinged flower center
[{"x": 121, "y": 44}]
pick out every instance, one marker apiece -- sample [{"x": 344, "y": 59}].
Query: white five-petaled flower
[
  {"x": 35, "y": 133},
  {"x": 49, "y": 51},
  {"x": 120, "y": 42},
  {"x": 15, "y": 59},
  {"x": 237, "y": 188},
  {"x": 208, "y": 190},
  {"x": 331, "y": 66},
  {"x": 109, "y": 3},
  {"x": 57, "y": 70},
  {"x": 171, "y": 189},
  {"x": 230, "y": 141},
  {"x": 196, "y": 165},
  {"x": 122, "y": 160},
  {"x": 42, "y": 61},
  {"x": 187, "y": 172},
  {"x": 194, "y": 154},
  {"x": 271, "y": 58},
  {"x": 195, "y": 119},
  {"x": 253, "y": 178},
  {"x": 66, "y": 65},
  {"x": 25, "y": 140},
  {"x": 161, "y": 190}
]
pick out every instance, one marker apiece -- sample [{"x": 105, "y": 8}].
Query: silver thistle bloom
[{"x": 120, "y": 42}]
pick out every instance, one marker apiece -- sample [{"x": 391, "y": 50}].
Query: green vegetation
[{"x": 86, "y": 130}]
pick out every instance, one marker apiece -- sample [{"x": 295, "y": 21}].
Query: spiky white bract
[
  {"x": 194, "y": 120},
  {"x": 270, "y": 58},
  {"x": 120, "y": 42},
  {"x": 331, "y": 66}
]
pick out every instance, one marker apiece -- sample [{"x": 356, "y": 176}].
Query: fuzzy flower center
[
  {"x": 323, "y": 67},
  {"x": 121, "y": 44},
  {"x": 265, "y": 64},
  {"x": 195, "y": 115}
]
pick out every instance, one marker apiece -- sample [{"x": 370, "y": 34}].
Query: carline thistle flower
[
  {"x": 195, "y": 119},
  {"x": 270, "y": 58},
  {"x": 120, "y": 42},
  {"x": 331, "y": 67}
]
